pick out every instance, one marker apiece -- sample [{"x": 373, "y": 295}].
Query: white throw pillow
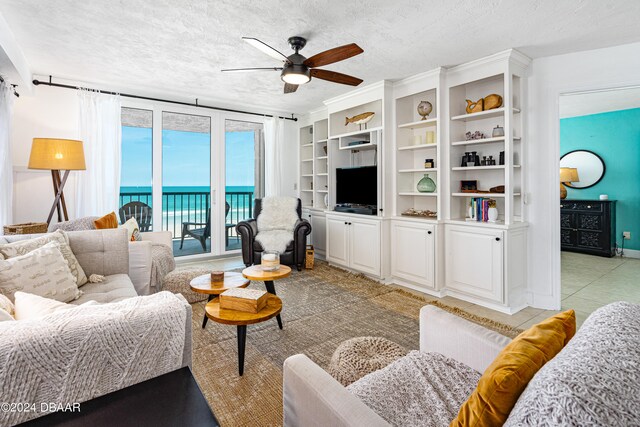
[
  {"x": 30, "y": 306},
  {"x": 133, "y": 230},
  {"x": 7, "y": 309},
  {"x": 43, "y": 272},
  {"x": 22, "y": 247}
]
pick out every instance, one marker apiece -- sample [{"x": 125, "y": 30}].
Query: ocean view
[{"x": 182, "y": 204}]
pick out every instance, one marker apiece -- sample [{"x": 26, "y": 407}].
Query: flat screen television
[{"x": 357, "y": 186}]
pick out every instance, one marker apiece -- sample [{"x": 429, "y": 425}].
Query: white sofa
[
  {"x": 593, "y": 381},
  {"x": 312, "y": 397},
  {"x": 92, "y": 350}
]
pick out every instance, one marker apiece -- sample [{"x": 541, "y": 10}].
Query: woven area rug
[{"x": 321, "y": 308}]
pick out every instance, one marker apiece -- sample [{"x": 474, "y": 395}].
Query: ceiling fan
[{"x": 297, "y": 69}]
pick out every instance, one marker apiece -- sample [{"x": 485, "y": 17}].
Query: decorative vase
[
  {"x": 426, "y": 184},
  {"x": 493, "y": 214},
  {"x": 424, "y": 109}
]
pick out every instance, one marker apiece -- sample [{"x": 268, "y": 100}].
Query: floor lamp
[{"x": 57, "y": 155}]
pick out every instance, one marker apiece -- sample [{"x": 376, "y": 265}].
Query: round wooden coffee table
[
  {"x": 203, "y": 285},
  {"x": 255, "y": 272},
  {"x": 241, "y": 319}
]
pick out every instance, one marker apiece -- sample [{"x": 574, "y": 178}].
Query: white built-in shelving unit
[{"x": 481, "y": 262}]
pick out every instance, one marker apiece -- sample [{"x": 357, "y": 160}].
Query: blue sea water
[{"x": 191, "y": 203}]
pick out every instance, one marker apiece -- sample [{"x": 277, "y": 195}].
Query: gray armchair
[{"x": 252, "y": 250}]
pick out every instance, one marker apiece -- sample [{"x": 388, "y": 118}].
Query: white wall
[
  {"x": 49, "y": 112},
  {"x": 551, "y": 76}
]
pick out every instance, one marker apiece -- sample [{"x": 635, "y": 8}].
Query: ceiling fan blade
[
  {"x": 289, "y": 88},
  {"x": 265, "y": 48},
  {"x": 332, "y": 76},
  {"x": 333, "y": 55},
  {"x": 244, "y": 70}
]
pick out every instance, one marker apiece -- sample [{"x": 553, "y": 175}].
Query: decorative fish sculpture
[{"x": 360, "y": 119}]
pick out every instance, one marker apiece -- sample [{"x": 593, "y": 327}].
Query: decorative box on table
[{"x": 241, "y": 299}]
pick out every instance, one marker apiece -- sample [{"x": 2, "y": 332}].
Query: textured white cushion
[
  {"x": 43, "y": 272},
  {"x": 30, "y": 306},
  {"x": 133, "y": 230},
  {"x": 7, "y": 306},
  {"x": 22, "y": 247}
]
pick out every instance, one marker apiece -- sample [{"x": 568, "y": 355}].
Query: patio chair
[
  {"x": 202, "y": 233},
  {"x": 138, "y": 210}
]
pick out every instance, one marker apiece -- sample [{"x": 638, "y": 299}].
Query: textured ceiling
[{"x": 177, "y": 48}]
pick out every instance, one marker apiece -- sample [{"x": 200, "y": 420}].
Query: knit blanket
[
  {"x": 162, "y": 263},
  {"x": 78, "y": 354},
  {"x": 419, "y": 389},
  {"x": 276, "y": 223}
]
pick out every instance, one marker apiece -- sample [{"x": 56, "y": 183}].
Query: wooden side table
[
  {"x": 255, "y": 272},
  {"x": 203, "y": 285},
  {"x": 241, "y": 319}
]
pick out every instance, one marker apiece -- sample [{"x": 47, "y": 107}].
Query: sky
[{"x": 185, "y": 158}]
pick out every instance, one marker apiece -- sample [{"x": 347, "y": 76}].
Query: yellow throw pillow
[
  {"x": 508, "y": 375},
  {"x": 107, "y": 221}
]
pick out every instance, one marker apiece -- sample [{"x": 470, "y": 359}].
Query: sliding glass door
[
  {"x": 193, "y": 172},
  {"x": 244, "y": 175},
  {"x": 186, "y": 181}
]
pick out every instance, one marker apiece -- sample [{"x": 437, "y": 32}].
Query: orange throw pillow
[
  {"x": 107, "y": 221},
  {"x": 508, "y": 375}
]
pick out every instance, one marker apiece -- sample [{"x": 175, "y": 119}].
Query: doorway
[{"x": 600, "y": 216}]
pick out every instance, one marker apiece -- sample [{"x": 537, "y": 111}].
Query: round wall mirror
[{"x": 590, "y": 167}]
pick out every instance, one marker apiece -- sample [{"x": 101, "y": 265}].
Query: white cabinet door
[
  {"x": 337, "y": 240},
  {"x": 474, "y": 261},
  {"x": 319, "y": 232},
  {"x": 364, "y": 245},
  {"x": 413, "y": 252}
]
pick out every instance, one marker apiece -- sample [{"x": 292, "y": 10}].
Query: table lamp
[
  {"x": 56, "y": 155},
  {"x": 567, "y": 175}
]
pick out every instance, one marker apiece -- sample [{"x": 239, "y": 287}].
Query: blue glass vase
[{"x": 426, "y": 184}]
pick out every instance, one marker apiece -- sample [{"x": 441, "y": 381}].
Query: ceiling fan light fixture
[{"x": 296, "y": 74}]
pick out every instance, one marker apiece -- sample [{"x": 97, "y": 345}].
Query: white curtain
[
  {"x": 100, "y": 128},
  {"x": 273, "y": 155},
  {"x": 6, "y": 168}
]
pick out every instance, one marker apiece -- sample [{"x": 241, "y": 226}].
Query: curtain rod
[{"x": 196, "y": 104}]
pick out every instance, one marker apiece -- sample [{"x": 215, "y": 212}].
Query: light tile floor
[{"x": 588, "y": 282}]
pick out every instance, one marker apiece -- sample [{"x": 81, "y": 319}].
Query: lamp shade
[
  {"x": 56, "y": 154},
  {"x": 569, "y": 175}
]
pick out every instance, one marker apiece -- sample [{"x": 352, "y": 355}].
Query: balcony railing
[{"x": 179, "y": 207}]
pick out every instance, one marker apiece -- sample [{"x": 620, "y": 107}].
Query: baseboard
[
  {"x": 403, "y": 284},
  {"x": 631, "y": 253}
]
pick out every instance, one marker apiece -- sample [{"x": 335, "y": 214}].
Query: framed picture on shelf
[{"x": 470, "y": 186}]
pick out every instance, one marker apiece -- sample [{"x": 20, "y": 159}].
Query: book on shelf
[{"x": 479, "y": 208}]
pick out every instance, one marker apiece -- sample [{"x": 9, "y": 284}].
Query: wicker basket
[
  {"x": 26, "y": 228},
  {"x": 308, "y": 259}
]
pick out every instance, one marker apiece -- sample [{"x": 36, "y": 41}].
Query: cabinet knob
[
  {"x": 428, "y": 232},
  {"x": 345, "y": 223},
  {"x": 497, "y": 239},
  {"x": 588, "y": 206},
  {"x": 349, "y": 223}
]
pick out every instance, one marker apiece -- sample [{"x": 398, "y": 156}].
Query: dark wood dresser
[{"x": 588, "y": 226}]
